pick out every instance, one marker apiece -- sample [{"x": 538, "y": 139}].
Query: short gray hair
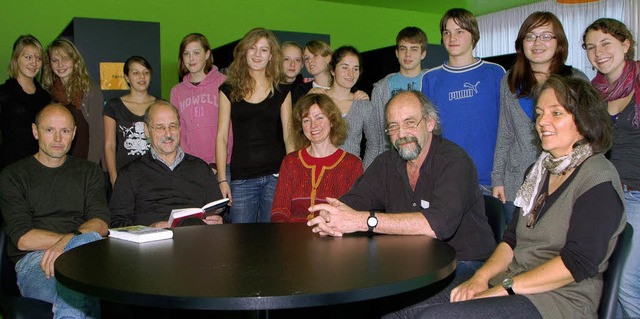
[{"x": 428, "y": 109}]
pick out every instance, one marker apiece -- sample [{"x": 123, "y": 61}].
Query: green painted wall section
[{"x": 221, "y": 21}]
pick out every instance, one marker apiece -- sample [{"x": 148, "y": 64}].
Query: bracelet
[{"x": 223, "y": 181}]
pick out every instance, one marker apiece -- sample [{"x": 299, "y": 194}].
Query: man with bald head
[
  {"x": 165, "y": 178},
  {"x": 426, "y": 185},
  {"x": 52, "y": 202}
]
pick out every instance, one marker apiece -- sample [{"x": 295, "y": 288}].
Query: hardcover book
[
  {"x": 212, "y": 208},
  {"x": 140, "y": 234}
]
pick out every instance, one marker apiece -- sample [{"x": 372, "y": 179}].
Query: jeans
[
  {"x": 629, "y": 292},
  {"x": 509, "y": 210},
  {"x": 464, "y": 271},
  {"x": 252, "y": 199},
  {"x": 67, "y": 303},
  {"x": 517, "y": 306}
]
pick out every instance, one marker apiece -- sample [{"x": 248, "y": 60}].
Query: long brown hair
[
  {"x": 522, "y": 79},
  {"x": 79, "y": 82},
  {"x": 242, "y": 84},
  {"x": 189, "y": 38}
]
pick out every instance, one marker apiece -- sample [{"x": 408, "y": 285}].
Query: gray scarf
[{"x": 525, "y": 197}]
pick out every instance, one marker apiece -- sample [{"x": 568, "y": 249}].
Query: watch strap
[{"x": 372, "y": 214}]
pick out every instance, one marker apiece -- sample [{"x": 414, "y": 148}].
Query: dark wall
[
  {"x": 102, "y": 40},
  {"x": 380, "y": 62}
]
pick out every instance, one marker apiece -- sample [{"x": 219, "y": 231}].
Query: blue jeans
[
  {"x": 509, "y": 210},
  {"x": 67, "y": 303},
  {"x": 517, "y": 306},
  {"x": 629, "y": 292},
  {"x": 464, "y": 271},
  {"x": 252, "y": 199}
]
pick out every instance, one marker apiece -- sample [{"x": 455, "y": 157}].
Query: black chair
[
  {"x": 12, "y": 304},
  {"x": 494, "y": 209},
  {"x": 611, "y": 277}
]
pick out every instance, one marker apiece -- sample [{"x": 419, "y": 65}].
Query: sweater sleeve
[
  {"x": 96, "y": 199},
  {"x": 122, "y": 202},
  {"x": 595, "y": 218},
  {"x": 371, "y": 132},
  {"x": 505, "y": 135}
]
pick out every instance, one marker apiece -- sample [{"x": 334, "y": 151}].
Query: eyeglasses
[
  {"x": 534, "y": 215},
  {"x": 174, "y": 127},
  {"x": 408, "y": 126},
  {"x": 545, "y": 37}
]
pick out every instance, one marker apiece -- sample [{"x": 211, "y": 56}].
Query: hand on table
[
  {"x": 213, "y": 220},
  {"x": 336, "y": 218}
]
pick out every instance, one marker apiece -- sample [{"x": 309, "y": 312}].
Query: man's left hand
[
  {"x": 336, "y": 218},
  {"x": 213, "y": 220},
  {"x": 51, "y": 254}
]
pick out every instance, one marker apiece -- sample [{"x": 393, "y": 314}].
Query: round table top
[{"x": 254, "y": 266}]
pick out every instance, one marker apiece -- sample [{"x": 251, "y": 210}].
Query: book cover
[
  {"x": 140, "y": 234},
  {"x": 213, "y": 208}
]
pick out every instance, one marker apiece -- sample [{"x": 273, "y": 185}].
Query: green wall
[{"x": 221, "y": 21}]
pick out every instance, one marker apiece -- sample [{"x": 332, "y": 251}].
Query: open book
[
  {"x": 140, "y": 234},
  {"x": 212, "y": 208}
]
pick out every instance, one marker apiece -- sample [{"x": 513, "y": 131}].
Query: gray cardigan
[
  {"x": 362, "y": 118},
  {"x": 517, "y": 145}
]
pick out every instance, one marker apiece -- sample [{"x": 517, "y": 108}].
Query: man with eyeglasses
[
  {"x": 466, "y": 91},
  {"x": 165, "y": 178},
  {"x": 427, "y": 186}
]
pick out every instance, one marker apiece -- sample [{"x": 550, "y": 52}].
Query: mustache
[
  {"x": 167, "y": 139},
  {"x": 405, "y": 140}
]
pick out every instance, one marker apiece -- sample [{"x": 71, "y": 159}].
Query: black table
[{"x": 254, "y": 267}]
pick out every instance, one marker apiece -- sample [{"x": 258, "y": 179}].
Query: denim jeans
[
  {"x": 252, "y": 199},
  {"x": 517, "y": 306},
  {"x": 629, "y": 292},
  {"x": 464, "y": 271},
  {"x": 66, "y": 302}
]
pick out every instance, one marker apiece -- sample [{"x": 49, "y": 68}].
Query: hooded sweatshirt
[{"x": 198, "y": 109}]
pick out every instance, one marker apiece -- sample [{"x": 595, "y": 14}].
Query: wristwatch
[
  {"x": 507, "y": 284},
  {"x": 372, "y": 221}
]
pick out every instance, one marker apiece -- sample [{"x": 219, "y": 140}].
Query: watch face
[
  {"x": 372, "y": 221},
  {"x": 507, "y": 282}
]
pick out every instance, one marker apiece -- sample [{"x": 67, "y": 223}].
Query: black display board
[{"x": 103, "y": 40}]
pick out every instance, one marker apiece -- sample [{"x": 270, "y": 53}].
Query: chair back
[
  {"x": 611, "y": 277},
  {"x": 494, "y": 209}
]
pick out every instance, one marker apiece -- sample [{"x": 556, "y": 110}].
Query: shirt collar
[{"x": 171, "y": 166}]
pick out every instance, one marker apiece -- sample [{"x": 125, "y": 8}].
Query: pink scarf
[{"x": 628, "y": 81}]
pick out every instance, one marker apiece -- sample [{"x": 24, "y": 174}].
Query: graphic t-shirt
[{"x": 131, "y": 142}]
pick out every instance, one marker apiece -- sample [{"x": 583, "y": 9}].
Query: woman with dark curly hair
[
  {"x": 610, "y": 48},
  {"x": 319, "y": 169}
]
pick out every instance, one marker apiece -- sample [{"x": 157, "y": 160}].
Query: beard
[{"x": 408, "y": 147}]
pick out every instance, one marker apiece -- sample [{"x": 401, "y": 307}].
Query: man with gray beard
[
  {"x": 426, "y": 186},
  {"x": 165, "y": 178}
]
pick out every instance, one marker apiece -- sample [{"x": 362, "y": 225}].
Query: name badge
[{"x": 424, "y": 204}]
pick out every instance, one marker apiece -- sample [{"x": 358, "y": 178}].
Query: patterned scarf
[
  {"x": 525, "y": 197},
  {"x": 59, "y": 94},
  {"x": 628, "y": 81}
]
